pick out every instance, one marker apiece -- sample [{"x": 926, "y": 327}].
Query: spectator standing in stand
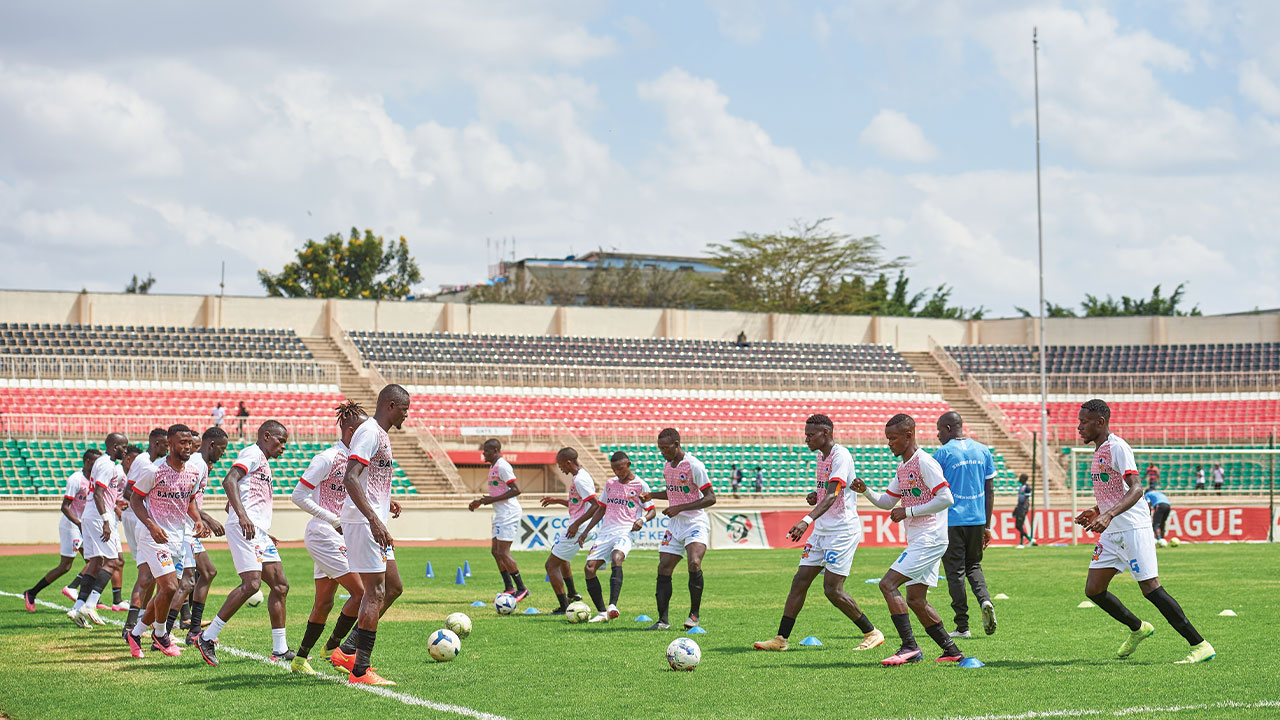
[
  {"x": 1199, "y": 478},
  {"x": 759, "y": 480},
  {"x": 218, "y": 414},
  {"x": 1219, "y": 478},
  {"x": 1153, "y": 476},
  {"x": 242, "y": 412},
  {"x": 736, "y": 476}
]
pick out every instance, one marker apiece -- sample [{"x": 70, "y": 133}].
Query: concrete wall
[{"x": 310, "y": 318}]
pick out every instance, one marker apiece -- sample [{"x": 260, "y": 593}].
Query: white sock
[
  {"x": 92, "y": 602},
  {"x": 215, "y": 627},
  {"x": 138, "y": 627},
  {"x": 79, "y": 604},
  {"x": 159, "y": 629},
  {"x": 278, "y": 643}
]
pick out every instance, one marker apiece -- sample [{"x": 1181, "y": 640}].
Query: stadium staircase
[
  {"x": 415, "y": 452},
  {"x": 984, "y": 420},
  {"x": 593, "y": 459}
]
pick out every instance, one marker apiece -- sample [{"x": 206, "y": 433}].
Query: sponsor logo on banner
[
  {"x": 541, "y": 532},
  {"x": 739, "y": 528}
]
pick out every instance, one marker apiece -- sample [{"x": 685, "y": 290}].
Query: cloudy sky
[{"x": 168, "y": 137}]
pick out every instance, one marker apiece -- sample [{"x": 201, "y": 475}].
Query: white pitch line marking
[
  {"x": 376, "y": 690},
  {"x": 1033, "y": 714}
]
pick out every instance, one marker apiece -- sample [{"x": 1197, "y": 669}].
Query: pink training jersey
[
  {"x": 254, "y": 488},
  {"x": 500, "y": 478},
  {"x": 107, "y": 475},
  {"x": 842, "y": 517},
  {"x": 77, "y": 492},
  {"x": 582, "y": 489},
  {"x": 687, "y": 481},
  {"x": 371, "y": 447},
  {"x": 916, "y": 482},
  {"x": 167, "y": 493},
  {"x": 329, "y": 491},
  {"x": 1112, "y": 462},
  {"x": 622, "y": 504}
]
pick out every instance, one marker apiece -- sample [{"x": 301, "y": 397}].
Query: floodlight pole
[{"x": 1044, "y": 390}]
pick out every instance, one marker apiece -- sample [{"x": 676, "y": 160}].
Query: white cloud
[
  {"x": 894, "y": 136},
  {"x": 739, "y": 20},
  {"x": 1260, "y": 89}
]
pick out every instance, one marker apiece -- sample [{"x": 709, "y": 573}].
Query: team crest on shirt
[{"x": 493, "y": 482}]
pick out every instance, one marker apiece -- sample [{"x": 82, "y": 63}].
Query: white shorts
[
  {"x": 91, "y": 536},
  {"x": 161, "y": 558},
  {"x": 363, "y": 554},
  {"x": 507, "y": 531},
  {"x": 128, "y": 525},
  {"x": 920, "y": 563},
  {"x": 327, "y": 548},
  {"x": 250, "y": 555},
  {"x": 1132, "y": 551},
  {"x": 682, "y": 531},
  {"x": 833, "y": 552},
  {"x": 567, "y": 548},
  {"x": 607, "y": 543},
  {"x": 69, "y": 539}
]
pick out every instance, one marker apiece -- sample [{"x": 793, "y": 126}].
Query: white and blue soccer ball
[
  {"x": 683, "y": 654},
  {"x": 577, "y": 612},
  {"x": 459, "y": 624},
  {"x": 505, "y": 603},
  {"x": 444, "y": 645},
  {"x": 255, "y": 599}
]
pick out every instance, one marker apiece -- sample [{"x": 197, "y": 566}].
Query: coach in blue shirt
[
  {"x": 1159, "y": 503},
  {"x": 971, "y": 472}
]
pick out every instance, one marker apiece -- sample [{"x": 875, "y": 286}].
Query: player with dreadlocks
[{"x": 321, "y": 491}]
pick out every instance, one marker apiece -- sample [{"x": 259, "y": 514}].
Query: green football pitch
[{"x": 1048, "y": 658}]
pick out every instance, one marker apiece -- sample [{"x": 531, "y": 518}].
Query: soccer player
[
  {"x": 619, "y": 515},
  {"x": 370, "y": 552},
  {"x": 101, "y": 544},
  {"x": 688, "y": 494},
  {"x": 164, "y": 500},
  {"x": 836, "y": 533},
  {"x": 582, "y": 506},
  {"x": 69, "y": 537},
  {"x": 253, "y": 550},
  {"x": 503, "y": 491},
  {"x": 213, "y": 445},
  {"x": 1125, "y": 543},
  {"x": 1022, "y": 509},
  {"x": 321, "y": 492},
  {"x": 971, "y": 474},
  {"x": 144, "y": 585},
  {"x": 921, "y": 487}
]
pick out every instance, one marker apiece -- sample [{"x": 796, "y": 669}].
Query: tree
[
  {"x": 363, "y": 266},
  {"x": 1126, "y": 306},
  {"x": 140, "y": 287},
  {"x": 855, "y": 297},
  {"x": 786, "y": 273}
]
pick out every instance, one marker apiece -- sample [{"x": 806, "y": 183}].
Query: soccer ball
[
  {"x": 444, "y": 645},
  {"x": 505, "y": 603},
  {"x": 683, "y": 654},
  {"x": 459, "y": 624},
  {"x": 577, "y": 612},
  {"x": 255, "y": 599},
  {"x": 1162, "y": 542},
  {"x": 1175, "y": 542}
]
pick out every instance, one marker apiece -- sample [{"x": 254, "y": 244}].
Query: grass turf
[{"x": 1048, "y": 655}]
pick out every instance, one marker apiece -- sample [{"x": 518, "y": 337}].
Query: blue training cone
[
  {"x": 547, "y": 578},
  {"x": 695, "y": 630},
  {"x": 972, "y": 662},
  {"x": 461, "y": 580},
  {"x": 531, "y": 611},
  {"x": 466, "y": 568},
  {"x": 811, "y": 640},
  {"x": 430, "y": 572},
  {"x": 478, "y": 603},
  {"x": 644, "y": 618},
  {"x": 872, "y": 580}
]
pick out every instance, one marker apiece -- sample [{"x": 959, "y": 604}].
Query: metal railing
[
  {"x": 154, "y": 369},
  {"x": 93, "y": 428},
  {"x": 1104, "y": 384},
  {"x": 409, "y": 373},
  {"x": 1163, "y": 434},
  {"x": 608, "y": 431}
]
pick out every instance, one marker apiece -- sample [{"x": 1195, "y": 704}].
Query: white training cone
[
  {"x": 1086, "y": 604},
  {"x": 1000, "y": 596},
  {"x": 1227, "y": 613}
]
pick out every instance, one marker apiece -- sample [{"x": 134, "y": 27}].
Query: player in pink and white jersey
[
  {"x": 364, "y": 515},
  {"x": 618, "y": 514},
  {"x": 253, "y": 550},
  {"x": 322, "y": 493},
  {"x": 163, "y": 500},
  {"x": 921, "y": 488},
  {"x": 503, "y": 494},
  {"x": 688, "y": 494},
  {"x": 74, "y": 498},
  {"x": 836, "y": 533},
  {"x": 98, "y": 524},
  {"x": 582, "y": 504},
  {"x": 213, "y": 445},
  {"x": 1125, "y": 541}
]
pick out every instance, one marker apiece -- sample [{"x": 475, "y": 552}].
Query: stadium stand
[
  {"x": 1076, "y": 359},
  {"x": 1243, "y": 473},
  {"x": 41, "y": 467},
  {"x": 1175, "y": 419},
  {"x": 150, "y": 341},
  {"x": 786, "y": 468},
  {"x": 383, "y": 347}
]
